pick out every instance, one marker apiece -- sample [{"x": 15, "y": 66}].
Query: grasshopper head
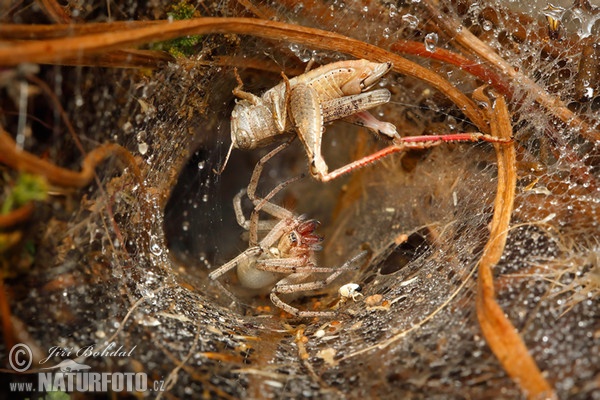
[
  {"x": 376, "y": 71},
  {"x": 365, "y": 76}
]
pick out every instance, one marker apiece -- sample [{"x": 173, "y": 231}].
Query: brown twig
[
  {"x": 27, "y": 162},
  {"x": 473, "y": 67},
  {"x": 500, "y": 334},
  {"x": 5, "y": 314},
  {"x": 55, "y": 11},
  {"x": 122, "y": 59},
  {"x": 16, "y": 216},
  {"x": 39, "y": 32}
]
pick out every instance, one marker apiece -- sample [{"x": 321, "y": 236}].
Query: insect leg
[
  {"x": 307, "y": 118},
  {"x": 238, "y": 92},
  {"x": 353, "y": 108},
  {"x": 408, "y": 143}
]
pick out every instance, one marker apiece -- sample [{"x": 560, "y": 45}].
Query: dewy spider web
[{"x": 423, "y": 217}]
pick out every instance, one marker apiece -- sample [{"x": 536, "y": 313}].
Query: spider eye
[{"x": 293, "y": 238}]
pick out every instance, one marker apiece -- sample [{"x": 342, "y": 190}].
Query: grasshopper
[{"x": 303, "y": 104}]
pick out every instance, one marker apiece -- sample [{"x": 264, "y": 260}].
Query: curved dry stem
[
  {"x": 38, "y": 32},
  {"x": 8, "y": 332},
  {"x": 122, "y": 59},
  {"x": 54, "y": 11},
  {"x": 53, "y": 50},
  {"x": 470, "y": 66},
  {"x": 27, "y": 162},
  {"x": 16, "y": 216},
  {"x": 500, "y": 334},
  {"x": 24, "y": 161}
]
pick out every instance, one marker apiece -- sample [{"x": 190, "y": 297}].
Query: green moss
[
  {"x": 183, "y": 46},
  {"x": 27, "y": 188},
  {"x": 182, "y": 10}
]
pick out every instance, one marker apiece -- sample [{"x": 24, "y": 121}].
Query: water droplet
[
  {"x": 487, "y": 25},
  {"x": 365, "y": 9},
  {"x": 155, "y": 247},
  {"x": 410, "y": 20},
  {"x": 553, "y": 16},
  {"x": 393, "y": 11},
  {"x": 148, "y": 321},
  {"x": 127, "y": 127},
  {"x": 553, "y": 12},
  {"x": 303, "y": 54},
  {"x": 451, "y": 121},
  {"x": 201, "y": 165},
  {"x": 143, "y": 148},
  {"x": 185, "y": 225},
  {"x": 386, "y": 33},
  {"x": 587, "y": 21},
  {"x": 431, "y": 41}
]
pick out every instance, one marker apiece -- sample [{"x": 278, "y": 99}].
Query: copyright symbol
[{"x": 20, "y": 357}]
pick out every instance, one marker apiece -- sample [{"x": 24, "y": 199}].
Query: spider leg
[
  {"x": 271, "y": 208},
  {"x": 293, "y": 265},
  {"x": 263, "y": 203},
  {"x": 289, "y": 285},
  {"x": 241, "y": 218},
  {"x": 258, "y": 168},
  {"x": 229, "y": 295},
  {"x": 247, "y": 255},
  {"x": 284, "y": 287},
  {"x": 297, "y": 312}
]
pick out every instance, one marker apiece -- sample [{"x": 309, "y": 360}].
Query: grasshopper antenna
[{"x": 220, "y": 170}]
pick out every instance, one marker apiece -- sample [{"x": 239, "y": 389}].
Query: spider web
[{"x": 423, "y": 216}]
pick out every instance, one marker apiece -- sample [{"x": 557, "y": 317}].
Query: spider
[{"x": 285, "y": 257}]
